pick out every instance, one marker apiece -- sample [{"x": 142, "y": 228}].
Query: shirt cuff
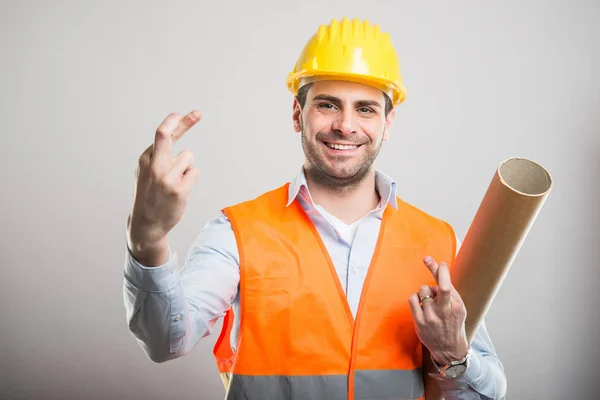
[
  {"x": 152, "y": 279},
  {"x": 471, "y": 374}
]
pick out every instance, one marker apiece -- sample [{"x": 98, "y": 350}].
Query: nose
[{"x": 344, "y": 123}]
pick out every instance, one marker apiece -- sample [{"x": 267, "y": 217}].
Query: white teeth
[{"x": 341, "y": 146}]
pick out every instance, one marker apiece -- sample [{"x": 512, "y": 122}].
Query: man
[{"x": 331, "y": 286}]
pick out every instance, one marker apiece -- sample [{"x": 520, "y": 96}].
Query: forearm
[
  {"x": 150, "y": 255},
  {"x": 169, "y": 310},
  {"x": 145, "y": 245},
  {"x": 157, "y": 309},
  {"x": 484, "y": 378}
]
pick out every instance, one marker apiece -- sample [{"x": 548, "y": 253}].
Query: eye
[
  {"x": 366, "y": 110},
  {"x": 326, "y": 106}
]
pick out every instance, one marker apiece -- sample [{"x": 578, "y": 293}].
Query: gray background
[{"x": 84, "y": 85}]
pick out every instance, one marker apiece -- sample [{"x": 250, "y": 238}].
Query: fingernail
[{"x": 428, "y": 259}]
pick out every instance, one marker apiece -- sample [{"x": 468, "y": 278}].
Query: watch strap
[{"x": 464, "y": 361}]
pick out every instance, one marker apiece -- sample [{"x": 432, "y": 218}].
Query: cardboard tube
[
  {"x": 507, "y": 212},
  {"x": 509, "y": 208}
]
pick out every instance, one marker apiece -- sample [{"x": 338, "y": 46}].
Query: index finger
[
  {"x": 186, "y": 123},
  {"x": 161, "y": 149}
]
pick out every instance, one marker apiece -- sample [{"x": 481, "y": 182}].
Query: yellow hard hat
[{"x": 354, "y": 51}]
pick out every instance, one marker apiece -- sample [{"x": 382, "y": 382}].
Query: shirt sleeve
[
  {"x": 484, "y": 378},
  {"x": 169, "y": 309}
]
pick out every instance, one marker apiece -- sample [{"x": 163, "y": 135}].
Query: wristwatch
[{"x": 456, "y": 368}]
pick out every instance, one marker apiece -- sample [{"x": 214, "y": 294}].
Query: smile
[{"x": 336, "y": 146}]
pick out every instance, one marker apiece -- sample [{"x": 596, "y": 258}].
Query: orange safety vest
[{"x": 298, "y": 339}]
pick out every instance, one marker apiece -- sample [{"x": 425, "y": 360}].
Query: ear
[
  {"x": 389, "y": 121},
  {"x": 297, "y": 115}
]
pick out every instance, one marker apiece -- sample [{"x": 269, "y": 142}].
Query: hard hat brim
[{"x": 394, "y": 90}]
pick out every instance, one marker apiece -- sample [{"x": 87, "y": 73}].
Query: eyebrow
[{"x": 338, "y": 102}]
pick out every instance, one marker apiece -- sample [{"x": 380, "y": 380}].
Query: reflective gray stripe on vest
[
  {"x": 368, "y": 385},
  {"x": 389, "y": 384}
]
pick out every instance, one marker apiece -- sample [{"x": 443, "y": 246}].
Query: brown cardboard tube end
[{"x": 525, "y": 177}]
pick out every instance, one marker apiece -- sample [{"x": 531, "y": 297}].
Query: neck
[{"x": 349, "y": 203}]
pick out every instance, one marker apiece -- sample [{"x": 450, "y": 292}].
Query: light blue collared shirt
[{"x": 170, "y": 309}]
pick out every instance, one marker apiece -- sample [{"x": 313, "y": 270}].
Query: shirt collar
[{"x": 384, "y": 185}]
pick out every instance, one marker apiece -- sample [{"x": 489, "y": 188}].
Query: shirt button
[{"x": 177, "y": 317}]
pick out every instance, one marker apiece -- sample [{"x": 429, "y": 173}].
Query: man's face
[{"x": 343, "y": 126}]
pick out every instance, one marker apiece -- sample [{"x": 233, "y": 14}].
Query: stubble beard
[{"x": 321, "y": 174}]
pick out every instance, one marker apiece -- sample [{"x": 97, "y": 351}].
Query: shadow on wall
[{"x": 585, "y": 300}]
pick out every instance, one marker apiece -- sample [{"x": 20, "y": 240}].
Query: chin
[{"x": 348, "y": 172}]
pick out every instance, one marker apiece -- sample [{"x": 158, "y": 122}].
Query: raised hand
[
  {"x": 439, "y": 315},
  {"x": 163, "y": 185}
]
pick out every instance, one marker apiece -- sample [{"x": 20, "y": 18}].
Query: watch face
[{"x": 456, "y": 370}]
